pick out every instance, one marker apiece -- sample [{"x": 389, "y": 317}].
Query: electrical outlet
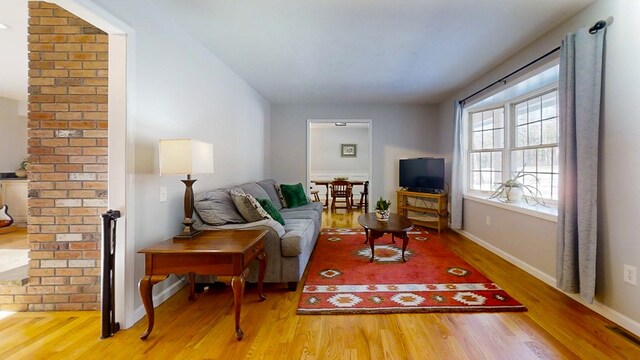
[
  {"x": 163, "y": 193},
  {"x": 487, "y": 220},
  {"x": 629, "y": 275}
]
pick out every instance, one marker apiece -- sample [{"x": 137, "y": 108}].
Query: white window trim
[{"x": 547, "y": 212}]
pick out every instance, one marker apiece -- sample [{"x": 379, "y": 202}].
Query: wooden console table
[
  {"x": 425, "y": 209},
  {"x": 218, "y": 252}
]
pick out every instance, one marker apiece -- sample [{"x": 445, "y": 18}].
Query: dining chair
[{"x": 340, "y": 193}]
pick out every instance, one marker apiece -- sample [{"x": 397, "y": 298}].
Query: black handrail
[{"x": 109, "y": 324}]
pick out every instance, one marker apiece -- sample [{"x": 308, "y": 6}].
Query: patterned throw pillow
[
  {"x": 279, "y": 191},
  {"x": 268, "y": 206},
  {"x": 248, "y": 207}
]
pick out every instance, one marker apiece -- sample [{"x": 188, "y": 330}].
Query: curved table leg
[
  {"x": 262, "y": 258},
  {"x": 237, "y": 284},
  {"x": 145, "y": 286},
  {"x": 372, "y": 239},
  {"x": 366, "y": 235},
  {"x": 405, "y": 242}
]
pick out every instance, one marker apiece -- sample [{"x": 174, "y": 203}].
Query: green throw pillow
[
  {"x": 268, "y": 206},
  {"x": 294, "y": 195}
]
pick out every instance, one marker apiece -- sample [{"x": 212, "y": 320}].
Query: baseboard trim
[
  {"x": 158, "y": 299},
  {"x": 623, "y": 321}
]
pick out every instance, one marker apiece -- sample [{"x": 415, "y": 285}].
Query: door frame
[{"x": 370, "y": 150}]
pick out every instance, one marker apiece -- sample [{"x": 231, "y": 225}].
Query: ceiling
[{"x": 338, "y": 51}]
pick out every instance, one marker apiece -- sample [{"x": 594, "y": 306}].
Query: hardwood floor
[
  {"x": 15, "y": 240},
  {"x": 555, "y": 327}
]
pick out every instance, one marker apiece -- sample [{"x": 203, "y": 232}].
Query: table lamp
[{"x": 186, "y": 156}]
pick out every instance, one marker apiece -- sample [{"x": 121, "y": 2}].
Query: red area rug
[{"x": 341, "y": 280}]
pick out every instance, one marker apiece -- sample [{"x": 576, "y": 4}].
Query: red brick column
[{"x": 67, "y": 162}]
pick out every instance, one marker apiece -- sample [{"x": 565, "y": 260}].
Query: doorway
[{"x": 340, "y": 149}]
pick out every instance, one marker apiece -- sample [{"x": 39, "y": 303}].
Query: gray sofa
[{"x": 288, "y": 247}]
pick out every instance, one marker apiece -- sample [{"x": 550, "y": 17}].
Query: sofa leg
[{"x": 292, "y": 285}]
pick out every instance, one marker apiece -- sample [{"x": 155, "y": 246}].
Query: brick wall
[{"x": 67, "y": 142}]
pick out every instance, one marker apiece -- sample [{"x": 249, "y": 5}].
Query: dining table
[{"x": 326, "y": 183}]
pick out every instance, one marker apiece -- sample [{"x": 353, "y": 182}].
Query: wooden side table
[{"x": 217, "y": 252}]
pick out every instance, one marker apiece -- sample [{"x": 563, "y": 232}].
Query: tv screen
[{"x": 422, "y": 174}]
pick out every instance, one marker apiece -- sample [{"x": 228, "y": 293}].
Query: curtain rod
[{"x": 594, "y": 29}]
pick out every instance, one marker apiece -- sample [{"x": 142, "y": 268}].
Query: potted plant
[
  {"x": 515, "y": 189},
  {"x": 382, "y": 209},
  {"x": 22, "y": 171}
]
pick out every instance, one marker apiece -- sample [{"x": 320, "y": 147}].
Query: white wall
[
  {"x": 13, "y": 135},
  {"x": 182, "y": 90},
  {"x": 619, "y": 165},
  {"x": 325, "y": 149},
  {"x": 397, "y": 131}
]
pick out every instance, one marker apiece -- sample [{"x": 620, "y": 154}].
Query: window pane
[
  {"x": 485, "y": 181},
  {"x": 498, "y": 118},
  {"x": 496, "y": 161},
  {"x": 530, "y": 158},
  {"x": 475, "y": 161},
  {"x": 476, "y": 121},
  {"x": 544, "y": 185},
  {"x": 535, "y": 134},
  {"x": 549, "y": 105},
  {"x": 475, "y": 180},
  {"x": 544, "y": 160},
  {"x": 521, "y": 113},
  {"x": 534, "y": 109},
  {"x": 498, "y": 139},
  {"x": 476, "y": 140},
  {"x": 550, "y": 131},
  {"x": 555, "y": 168},
  {"x": 517, "y": 160},
  {"x": 487, "y": 120},
  {"x": 485, "y": 161},
  {"x": 521, "y": 136},
  {"x": 487, "y": 139}
]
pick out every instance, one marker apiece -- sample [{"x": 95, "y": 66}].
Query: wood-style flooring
[{"x": 555, "y": 327}]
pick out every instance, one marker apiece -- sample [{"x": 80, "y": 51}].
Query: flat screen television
[{"x": 422, "y": 174}]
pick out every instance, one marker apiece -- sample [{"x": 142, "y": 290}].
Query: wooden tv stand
[{"x": 424, "y": 209}]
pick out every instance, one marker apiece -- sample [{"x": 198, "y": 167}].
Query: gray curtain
[
  {"x": 579, "y": 115},
  {"x": 457, "y": 179}
]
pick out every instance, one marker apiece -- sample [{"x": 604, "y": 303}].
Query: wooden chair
[
  {"x": 340, "y": 189},
  {"x": 364, "y": 197}
]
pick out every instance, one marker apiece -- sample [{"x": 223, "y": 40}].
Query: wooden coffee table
[
  {"x": 219, "y": 252},
  {"x": 396, "y": 226}
]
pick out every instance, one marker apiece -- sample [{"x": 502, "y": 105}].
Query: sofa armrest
[{"x": 268, "y": 224}]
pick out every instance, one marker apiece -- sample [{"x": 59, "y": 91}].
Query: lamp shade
[{"x": 185, "y": 156}]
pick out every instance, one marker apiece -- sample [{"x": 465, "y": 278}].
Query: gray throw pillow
[
  {"x": 249, "y": 207},
  {"x": 217, "y": 208}
]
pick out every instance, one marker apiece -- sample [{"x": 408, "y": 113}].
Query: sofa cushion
[
  {"x": 249, "y": 207},
  {"x": 217, "y": 208},
  {"x": 254, "y": 190},
  {"x": 294, "y": 195},
  {"x": 298, "y": 235},
  {"x": 269, "y": 187},
  {"x": 268, "y": 206}
]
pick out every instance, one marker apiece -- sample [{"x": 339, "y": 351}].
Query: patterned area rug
[{"x": 341, "y": 280}]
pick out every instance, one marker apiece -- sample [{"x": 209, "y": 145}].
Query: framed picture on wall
[{"x": 348, "y": 150}]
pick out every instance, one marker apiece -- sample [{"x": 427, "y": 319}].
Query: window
[
  {"x": 535, "y": 149},
  {"x": 487, "y": 143},
  {"x": 516, "y": 134}
]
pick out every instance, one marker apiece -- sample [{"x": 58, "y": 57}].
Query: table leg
[
  {"x": 326, "y": 200},
  {"x": 262, "y": 258},
  {"x": 237, "y": 284},
  {"x": 145, "y": 286},
  {"x": 372, "y": 239},
  {"x": 405, "y": 241},
  {"x": 366, "y": 235}
]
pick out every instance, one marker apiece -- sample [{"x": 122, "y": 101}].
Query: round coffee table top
[{"x": 396, "y": 223}]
